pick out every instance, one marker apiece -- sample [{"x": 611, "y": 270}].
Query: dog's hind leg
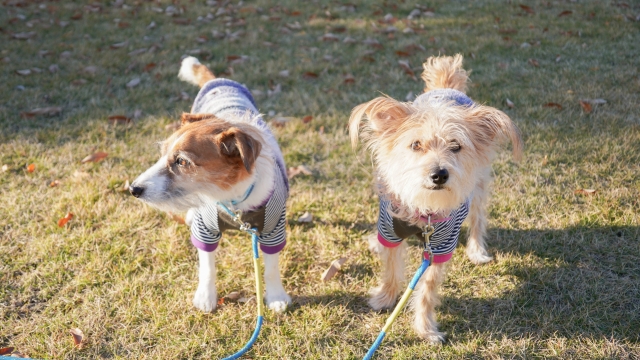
[
  {"x": 385, "y": 295},
  {"x": 206, "y": 297},
  {"x": 276, "y": 297},
  {"x": 424, "y": 303},
  {"x": 476, "y": 246}
]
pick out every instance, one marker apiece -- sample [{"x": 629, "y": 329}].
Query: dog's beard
[{"x": 412, "y": 188}]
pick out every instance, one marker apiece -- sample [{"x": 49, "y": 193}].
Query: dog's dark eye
[
  {"x": 182, "y": 161},
  {"x": 455, "y": 146},
  {"x": 416, "y": 146}
]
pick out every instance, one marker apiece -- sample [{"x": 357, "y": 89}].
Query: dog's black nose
[
  {"x": 440, "y": 177},
  {"x": 136, "y": 190}
]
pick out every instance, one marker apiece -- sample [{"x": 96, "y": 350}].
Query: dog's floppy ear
[
  {"x": 384, "y": 114},
  {"x": 494, "y": 126},
  {"x": 187, "y": 118},
  {"x": 237, "y": 144}
]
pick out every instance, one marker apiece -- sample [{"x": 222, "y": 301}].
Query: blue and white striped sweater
[{"x": 232, "y": 101}]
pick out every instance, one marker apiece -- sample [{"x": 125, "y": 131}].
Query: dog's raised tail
[
  {"x": 445, "y": 72},
  {"x": 193, "y": 72}
]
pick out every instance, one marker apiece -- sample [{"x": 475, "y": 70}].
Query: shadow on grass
[{"x": 575, "y": 282}]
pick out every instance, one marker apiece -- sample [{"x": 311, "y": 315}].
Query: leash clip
[
  {"x": 244, "y": 226},
  {"x": 427, "y": 231}
]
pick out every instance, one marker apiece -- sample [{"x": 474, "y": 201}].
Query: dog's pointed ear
[
  {"x": 385, "y": 115},
  {"x": 187, "y": 118},
  {"x": 495, "y": 126},
  {"x": 235, "y": 143}
]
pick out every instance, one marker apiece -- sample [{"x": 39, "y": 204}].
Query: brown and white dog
[
  {"x": 222, "y": 153},
  {"x": 433, "y": 163}
]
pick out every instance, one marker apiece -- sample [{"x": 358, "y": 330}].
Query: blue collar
[{"x": 244, "y": 197}]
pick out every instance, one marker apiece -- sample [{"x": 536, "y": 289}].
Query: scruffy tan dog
[{"x": 433, "y": 164}]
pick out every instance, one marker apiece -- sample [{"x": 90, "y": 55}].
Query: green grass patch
[{"x": 565, "y": 282}]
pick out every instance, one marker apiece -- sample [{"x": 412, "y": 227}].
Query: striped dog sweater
[{"x": 231, "y": 101}]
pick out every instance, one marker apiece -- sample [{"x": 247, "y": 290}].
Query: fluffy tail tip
[
  {"x": 445, "y": 72},
  {"x": 186, "y": 72}
]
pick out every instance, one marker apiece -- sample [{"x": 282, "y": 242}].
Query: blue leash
[
  {"x": 427, "y": 259},
  {"x": 254, "y": 245}
]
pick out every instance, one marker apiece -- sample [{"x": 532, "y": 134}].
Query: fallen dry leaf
[
  {"x": 586, "y": 107},
  {"x": 49, "y": 111},
  {"x": 177, "y": 218},
  {"x": 305, "y": 218},
  {"x": 407, "y": 68},
  {"x": 280, "y": 121},
  {"x": 125, "y": 186},
  {"x": 133, "y": 83},
  {"x": 119, "y": 45},
  {"x": 510, "y": 104},
  {"x": 310, "y": 75},
  {"x": 62, "y": 222},
  {"x": 6, "y": 350},
  {"x": 349, "y": 79},
  {"x": 118, "y": 119},
  {"x": 374, "y": 43},
  {"x": 565, "y": 13},
  {"x": 78, "y": 337},
  {"x": 91, "y": 69},
  {"x": 333, "y": 269},
  {"x": 148, "y": 67},
  {"x": 534, "y": 62},
  {"x": 233, "y": 296},
  {"x": 553, "y": 105},
  {"x": 329, "y": 37},
  {"x": 307, "y": 119},
  {"x": 595, "y": 101},
  {"x": 585, "y": 191},
  {"x": 300, "y": 169},
  {"x": 95, "y": 157},
  {"x": 527, "y": 9},
  {"x": 24, "y": 35},
  {"x": 31, "y": 168},
  {"x": 545, "y": 160}
]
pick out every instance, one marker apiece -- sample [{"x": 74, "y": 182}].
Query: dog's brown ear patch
[
  {"x": 189, "y": 118},
  {"x": 235, "y": 143}
]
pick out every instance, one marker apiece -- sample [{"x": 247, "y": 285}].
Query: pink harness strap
[{"x": 436, "y": 258}]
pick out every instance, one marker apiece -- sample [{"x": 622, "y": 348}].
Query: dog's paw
[
  {"x": 479, "y": 257},
  {"x": 382, "y": 298},
  {"x": 278, "y": 302},
  {"x": 205, "y": 300},
  {"x": 434, "y": 337}
]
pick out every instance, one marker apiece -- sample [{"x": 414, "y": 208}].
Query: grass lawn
[{"x": 565, "y": 282}]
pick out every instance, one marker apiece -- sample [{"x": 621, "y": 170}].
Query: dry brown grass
[{"x": 565, "y": 282}]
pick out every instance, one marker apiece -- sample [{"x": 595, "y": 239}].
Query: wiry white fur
[
  {"x": 186, "y": 70},
  {"x": 389, "y": 128},
  {"x": 179, "y": 194},
  {"x": 206, "y": 296}
]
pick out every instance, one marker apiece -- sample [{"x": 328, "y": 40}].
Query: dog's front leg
[
  {"x": 206, "y": 297},
  {"x": 476, "y": 246},
  {"x": 384, "y": 296},
  {"x": 425, "y": 301},
  {"x": 276, "y": 297}
]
